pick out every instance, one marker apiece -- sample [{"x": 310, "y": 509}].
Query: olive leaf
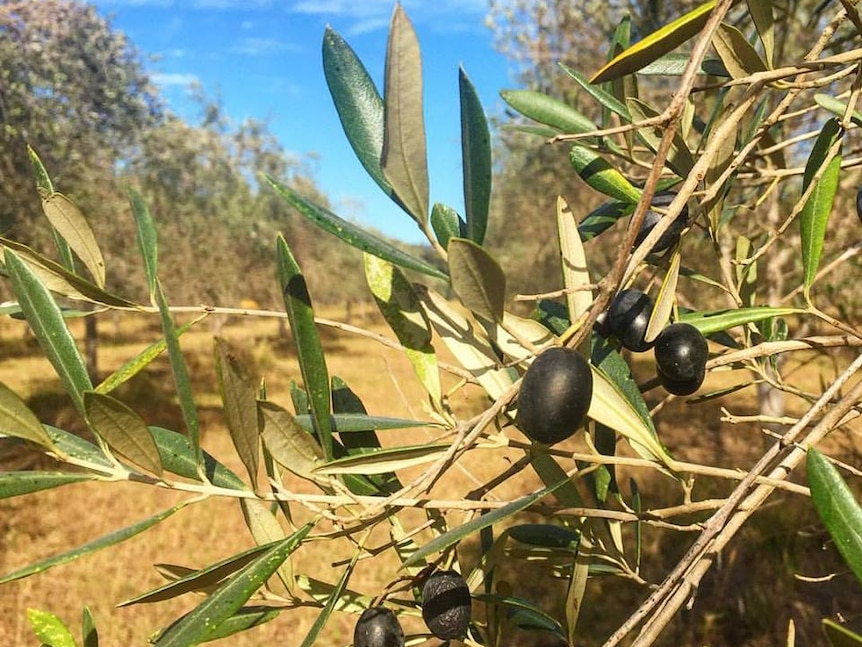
[
  {"x": 66, "y": 218},
  {"x": 547, "y": 110},
  {"x": 123, "y": 429},
  {"x": 476, "y": 156},
  {"x": 477, "y": 278},
  {"x": 665, "y": 300},
  {"x": 737, "y": 54},
  {"x": 573, "y": 260}
]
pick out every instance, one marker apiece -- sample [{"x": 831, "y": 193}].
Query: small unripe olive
[
  {"x": 651, "y": 218},
  {"x": 378, "y": 627},
  {"x": 681, "y": 352},
  {"x": 446, "y": 605},
  {"x": 555, "y": 395},
  {"x": 628, "y": 318}
]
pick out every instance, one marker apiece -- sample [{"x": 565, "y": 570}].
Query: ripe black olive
[
  {"x": 859, "y": 204},
  {"x": 446, "y": 605},
  {"x": 378, "y": 627},
  {"x": 680, "y": 356},
  {"x": 671, "y": 235},
  {"x": 628, "y": 318},
  {"x": 555, "y": 395},
  {"x": 602, "y": 327}
]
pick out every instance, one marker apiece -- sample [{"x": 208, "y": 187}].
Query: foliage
[{"x": 714, "y": 141}]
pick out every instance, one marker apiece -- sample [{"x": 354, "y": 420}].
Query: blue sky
[{"x": 262, "y": 58}]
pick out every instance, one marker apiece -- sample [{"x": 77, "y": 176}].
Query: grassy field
[{"x": 737, "y": 605}]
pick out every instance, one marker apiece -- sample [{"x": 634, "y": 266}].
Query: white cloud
[
  {"x": 255, "y": 46},
  {"x": 174, "y": 79}
]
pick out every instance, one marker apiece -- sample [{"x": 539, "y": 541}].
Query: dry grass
[{"x": 49, "y": 522}]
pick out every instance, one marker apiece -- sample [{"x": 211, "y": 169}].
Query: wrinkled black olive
[
  {"x": 378, "y": 627},
  {"x": 446, "y": 605},
  {"x": 555, "y": 395},
  {"x": 651, "y": 218},
  {"x": 628, "y": 318},
  {"x": 681, "y": 352}
]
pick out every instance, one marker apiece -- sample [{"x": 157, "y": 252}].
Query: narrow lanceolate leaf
[
  {"x": 815, "y": 214},
  {"x": 477, "y": 278},
  {"x": 88, "y": 628},
  {"x": 446, "y": 224},
  {"x": 178, "y": 458},
  {"x": 839, "y": 635},
  {"x": 605, "y": 99},
  {"x": 147, "y": 239},
  {"x": 247, "y": 617},
  {"x": 288, "y": 443},
  {"x": 665, "y": 300},
  {"x": 358, "y": 103},
  {"x": 331, "y": 604},
  {"x": 66, "y": 218},
  {"x": 839, "y": 511},
  {"x": 201, "y": 623},
  {"x": 679, "y": 158},
  {"x": 123, "y": 429},
  {"x": 713, "y": 321},
  {"x": 764, "y": 22},
  {"x": 573, "y": 260},
  {"x": 383, "y": 461},
  {"x": 239, "y": 396},
  {"x": 312, "y": 363},
  {"x": 837, "y": 107},
  {"x": 601, "y": 176},
  {"x": 50, "y": 630},
  {"x": 352, "y": 234},
  {"x": 400, "y": 306},
  {"x": 476, "y": 158},
  {"x": 110, "y": 539},
  {"x": 76, "y": 447},
  {"x": 660, "y": 42},
  {"x": 404, "y": 160},
  {"x": 181, "y": 375},
  {"x": 265, "y": 528},
  {"x": 43, "y": 181},
  {"x": 548, "y": 111},
  {"x": 50, "y": 329},
  {"x": 356, "y": 422},
  {"x": 498, "y": 514},
  {"x": 738, "y": 55},
  {"x": 605, "y": 357},
  {"x": 517, "y": 337},
  {"x": 16, "y": 419},
  {"x": 17, "y": 483}
]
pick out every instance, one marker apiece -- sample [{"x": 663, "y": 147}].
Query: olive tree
[{"x": 559, "y": 403}]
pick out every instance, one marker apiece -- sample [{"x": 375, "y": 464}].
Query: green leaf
[
  {"x": 656, "y": 44},
  {"x": 147, "y": 240},
  {"x": 713, "y": 321},
  {"x": 550, "y": 472},
  {"x": 603, "y": 218},
  {"x": 50, "y": 629},
  {"x": 476, "y": 155},
  {"x": 523, "y": 614},
  {"x": 815, "y": 213},
  {"x": 200, "y": 624},
  {"x": 261, "y": 521},
  {"x": 110, "y": 539},
  {"x": 674, "y": 64},
  {"x": 679, "y": 157},
  {"x": 66, "y": 218},
  {"x": 17, "y": 420},
  {"x": 17, "y": 483},
  {"x": 312, "y": 363},
  {"x": 352, "y": 234},
  {"x": 239, "y": 395},
  {"x": 840, "y": 636},
  {"x": 611, "y": 363},
  {"x": 384, "y": 460},
  {"x": 477, "y": 278},
  {"x": 357, "y": 422},
  {"x": 399, "y": 305},
  {"x": 489, "y": 518},
  {"x": 605, "y": 99},
  {"x": 547, "y": 110},
  {"x": 43, "y": 181},
  {"x": 349, "y": 601},
  {"x": 50, "y": 329},
  {"x": 181, "y": 375},
  {"x": 737, "y": 54},
  {"x": 839, "y": 511},
  {"x": 358, "y": 103},
  {"x": 178, "y": 458},
  {"x": 123, "y": 429},
  {"x": 331, "y": 604},
  {"x": 601, "y": 176},
  {"x": 546, "y": 536},
  {"x": 404, "y": 159},
  {"x": 837, "y": 107},
  {"x": 88, "y": 628},
  {"x": 764, "y": 22},
  {"x": 446, "y": 224},
  {"x": 76, "y": 447},
  {"x": 573, "y": 261},
  {"x": 288, "y": 443},
  {"x": 247, "y": 617},
  {"x": 664, "y": 302}
]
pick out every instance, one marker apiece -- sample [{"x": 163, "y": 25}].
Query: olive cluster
[{"x": 446, "y": 610}]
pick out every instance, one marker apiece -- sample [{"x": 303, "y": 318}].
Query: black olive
[
  {"x": 628, "y": 317},
  {"x": 681, "y": 352},
  {"x": 378, "y": 627},
  {"x": 555, "y": 395},
  {"x": 859, "y": 204},
  {"x": 651, "y": 218},
  {"x": 446, "y": 605},
  {"x": 602, "y": 327}
]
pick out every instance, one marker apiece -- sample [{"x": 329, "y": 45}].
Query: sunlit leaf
[
  {"x": 43, "y": 181},
  {"x": 477, "y": 278},
  {"x": 516, "y": 337},
  {"x": 601, "y": 176},
  {"x": 147, "y": 240},
  {"x": 123, "y": 429},
  {"x": 664, "y": 302},
  {"x": 674, "y": 64},
  {"x": 66, "y": 218},
  {"x": 404, "y": 159},
  {"x": 239, "y": 396},
  {"x": 738, "y": 55},
  {"x": 202, "y": 622},
  {"x": 605, "y": 99},
  {"x": 656, "y": 44},
  {"x": 88, "y": 628},
  {"x": 288, "y": 443},
  {"x": 14, "y": 484},
  {"x": 50, "y": 630},
  {"x": 446, "y": 224},
  {"x": 815, "y": 213},
  {"x": 679, "y": 157},
  {"x": 179, "y": 458},
  {"x": 265, "y": 528},
  {"x": 16, "y": 419},
  {"x": 837, "y": 107},
  {"x": 358, "y": 103},
  {"x": 384, "y": 460},
  {"x": 476, "y": 156},
  {"x": 547, "y": 110},
  {"x": 352, "y": 234},
  {"x": 610, "y": 362},
  {"x": 573, "y": 260},
  {"x": 839, "y": 511},
  {"x": 247, "y": 617},
  {"x": 764, "y": 22},
  {"x": 103, "y": 542},
  {"x": 357, "y": 422},
  {"x": 603, "y": 218},
  {"x": 74, "y": 446}
]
